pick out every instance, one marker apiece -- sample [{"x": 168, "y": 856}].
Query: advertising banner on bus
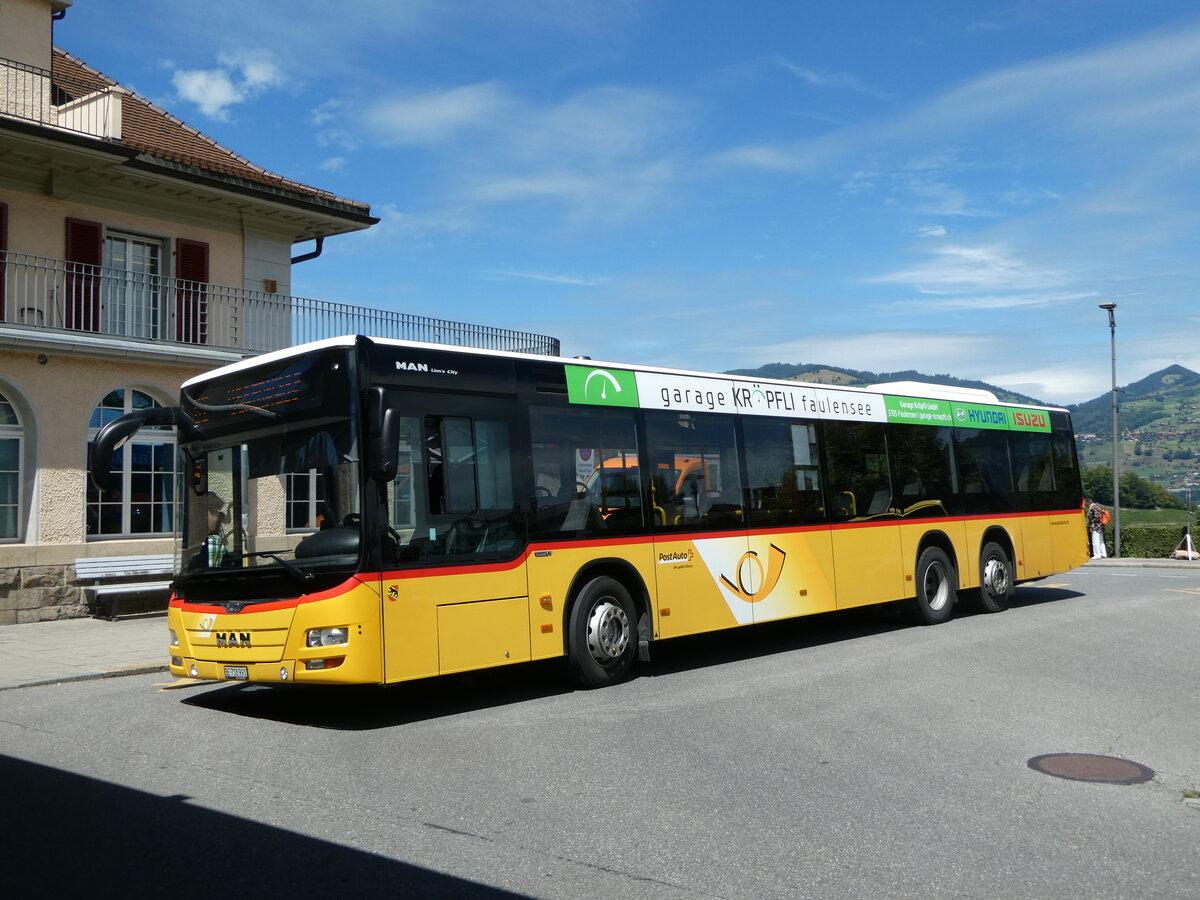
[{"x": 690, "y": 393}]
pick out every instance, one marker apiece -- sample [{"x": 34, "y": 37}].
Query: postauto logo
[{"x": 601, "y": 387}]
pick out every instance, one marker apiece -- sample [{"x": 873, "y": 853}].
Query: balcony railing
[
  {"x": 30, "y": 94},
  {"x": 56, "y": 295}
]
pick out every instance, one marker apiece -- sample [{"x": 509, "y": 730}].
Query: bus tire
[
  {"x": 602, "y": 638},
  {"x": 936, "y": 586},
  {"x": 996, "y": 582}
]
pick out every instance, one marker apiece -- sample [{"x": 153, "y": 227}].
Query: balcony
[
  {"x": 56, "y": 297},
  {"x": 58, "y": 101}
]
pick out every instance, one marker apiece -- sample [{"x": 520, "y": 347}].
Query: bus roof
[{"x": 915, "y": 389}]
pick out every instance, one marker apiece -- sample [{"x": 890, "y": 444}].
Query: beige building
[{"x": 134, "y": 253}]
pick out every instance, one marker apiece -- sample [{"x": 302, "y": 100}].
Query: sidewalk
[{"x": 75, "y": 649}]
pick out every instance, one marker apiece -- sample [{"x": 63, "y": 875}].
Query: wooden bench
[{"x": 105, "y": 574}]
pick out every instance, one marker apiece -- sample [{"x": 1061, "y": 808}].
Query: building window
[
  {"x": 305, "y": 501},
  {"x": 132, "y": 296},
  {"x": 10, "y": 471},
  {"x": 140, "y": 498}
]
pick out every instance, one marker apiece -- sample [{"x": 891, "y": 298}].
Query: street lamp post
[{"x": 1112, "y": 328}]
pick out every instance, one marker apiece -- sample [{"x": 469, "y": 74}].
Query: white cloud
[
  {"x": 213, "y": 91},
  {"x": 837, "y": 80},
  {"x": 932, "y": 231},
  {"x": 434, "y": 117},
  {"x": 604, "y": 153},
  {"x": 550, "y": 278},
  {"x": 993, "y": 301},
  {"x": 240, "y": 77},
  {"x": 885, "y": 351},
  {"x": 963, "y": 269}
]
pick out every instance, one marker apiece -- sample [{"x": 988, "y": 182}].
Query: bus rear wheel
[
  {"x": 602, "y": 633},
  {"x": 995, "y": 579},
  {"x": 936, "y": 584}
]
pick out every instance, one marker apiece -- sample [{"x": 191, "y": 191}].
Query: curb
[
  {"x": 87, "y": 676},
  {"x": 1137, "y": 563}
]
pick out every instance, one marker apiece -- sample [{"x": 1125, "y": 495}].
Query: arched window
[
  {"x": 140, "y": 499},
  {"x": 11, "y": 436}
]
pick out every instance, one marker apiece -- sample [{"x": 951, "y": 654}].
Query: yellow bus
[{"x": 363, "y": 510}]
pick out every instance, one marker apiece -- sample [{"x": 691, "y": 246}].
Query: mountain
[
  {"x": 1159, "y": 418},
  {"x": 1164, "y": 401},
  {"x": 820, "y": 374}
]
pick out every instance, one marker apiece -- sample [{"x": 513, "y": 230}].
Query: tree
[
  {"x": 1097, "y": 484},
  {"x": 1136, "y": 492}
]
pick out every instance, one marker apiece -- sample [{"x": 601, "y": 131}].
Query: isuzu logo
[{"x": 233, "y": 639}]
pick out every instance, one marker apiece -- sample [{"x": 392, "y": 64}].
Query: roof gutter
[{"x": 314, "y": 253}]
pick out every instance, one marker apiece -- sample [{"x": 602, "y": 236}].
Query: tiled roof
[{"x": 156, "y": 133}]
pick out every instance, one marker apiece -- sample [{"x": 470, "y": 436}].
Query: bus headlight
[
  {"x": 174, "y": 637},
  {"x": 327, "y": 637}
]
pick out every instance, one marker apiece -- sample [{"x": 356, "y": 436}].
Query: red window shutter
[
  {"x": 85, "y": 256},
  {"x": 191, "y": 291},
  {"x": 3, "y": 256}
]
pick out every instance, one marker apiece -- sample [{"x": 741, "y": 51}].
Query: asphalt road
[{"x": 849, "y": 755}]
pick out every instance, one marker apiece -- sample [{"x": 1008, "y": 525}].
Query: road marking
[
  {"x": 180, "y": 683},
  {"x": 1195, "y": 592}
]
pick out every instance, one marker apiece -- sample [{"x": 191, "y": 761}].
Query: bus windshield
[{"x": 271, "y": 482}]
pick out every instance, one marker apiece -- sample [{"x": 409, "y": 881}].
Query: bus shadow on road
[
  {"x": 771, "y": 638},
  {"x": 1039, "y": 595},
  {"x": 366, "y": 708},
  {"x": 369, "y": 707}
]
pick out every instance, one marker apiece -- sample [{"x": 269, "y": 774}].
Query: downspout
[{"x": 305, "y": 257}]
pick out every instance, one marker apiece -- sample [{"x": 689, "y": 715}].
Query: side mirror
[
  {"x": 383, "y": 437},
  {"x": 114, "y": 435}
]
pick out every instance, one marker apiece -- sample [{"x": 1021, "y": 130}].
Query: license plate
[{"x": 237, "y": 673}]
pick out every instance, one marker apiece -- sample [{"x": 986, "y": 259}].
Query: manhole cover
[{"x": 1090, "y": 767}]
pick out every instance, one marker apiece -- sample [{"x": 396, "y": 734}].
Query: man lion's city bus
[{"x": 362, "y": 510}]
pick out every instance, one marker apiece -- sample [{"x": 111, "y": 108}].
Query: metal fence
[
  {"x": 53, "y": 294},
  {"x": 32, "y": 95}
]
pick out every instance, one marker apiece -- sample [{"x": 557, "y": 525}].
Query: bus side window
[
  {"x": 1033, "y": 470},
  {"x": 585, "y": 470},
  {"x": 696, "y": 477},
  {"x": 453, "y": 495},
  {"x": 859, "y": 477},
  {"x": 923, "y": 470},
  {"x": 1067, "y": 487},
  {"x": 782, "y": 476},
  {"x": 985, "y": 468}
]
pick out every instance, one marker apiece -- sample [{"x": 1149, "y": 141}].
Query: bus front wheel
[
  {"x": 935, "y": 586},
  {"x": 995, "y": 579},
  {"x": 602, "y": 633}
]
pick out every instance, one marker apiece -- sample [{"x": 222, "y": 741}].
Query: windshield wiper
[
  {"x": 231, "y": 407},
  {"x": 305, "y": 578}
]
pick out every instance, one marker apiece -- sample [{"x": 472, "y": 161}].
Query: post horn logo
[{"x": 752, "y": 583}]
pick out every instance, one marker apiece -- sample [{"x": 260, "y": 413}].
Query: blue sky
[{"x": 946, "y": 186}]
